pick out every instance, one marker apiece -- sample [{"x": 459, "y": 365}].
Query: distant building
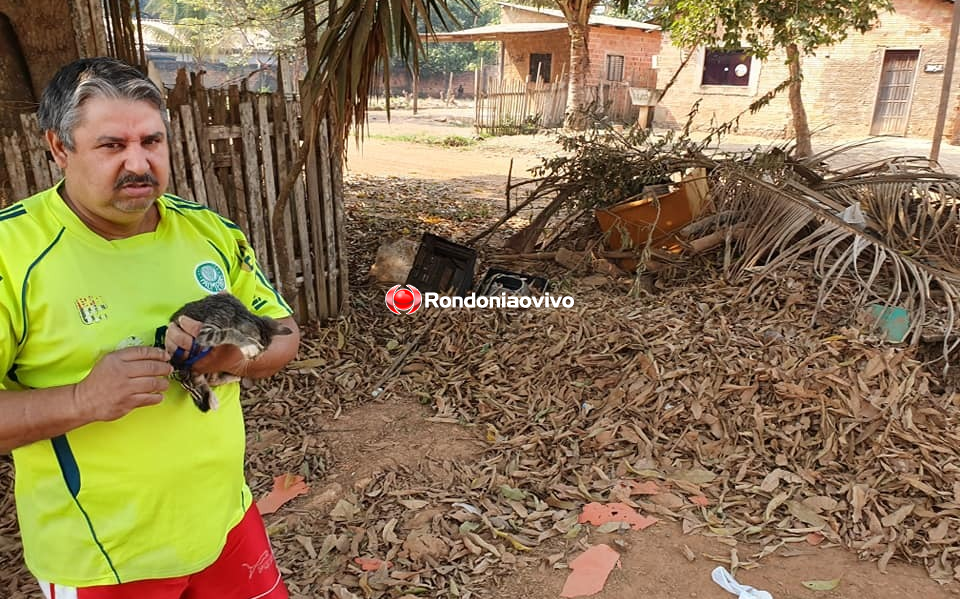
[
  {"x": 884, "y": 82},
  {"x": 535, "y": 43}
]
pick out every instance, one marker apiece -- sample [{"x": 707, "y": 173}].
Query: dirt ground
[
  {"x": 384, "y": 152},
  {"x": 653, "y": 564},
  {"x": 365, "y": 439},
  {"x": 396, "y": 432}
]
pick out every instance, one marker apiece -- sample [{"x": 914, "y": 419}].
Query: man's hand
[
  {"x": 222, "y": 358},
  {"x": 122, "y": 381}
]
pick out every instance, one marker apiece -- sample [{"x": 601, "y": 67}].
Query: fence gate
[{"x": 895, "y": 93}]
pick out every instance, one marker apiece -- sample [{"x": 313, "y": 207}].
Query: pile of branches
[{"x": 890, "y": 226}]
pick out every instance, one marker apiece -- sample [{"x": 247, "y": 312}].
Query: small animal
[{"x": 226, "y": 321}]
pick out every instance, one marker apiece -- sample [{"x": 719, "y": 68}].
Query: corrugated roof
[
  {"x": 594, "y": 19},
  {"x": 495, "y": 32}
]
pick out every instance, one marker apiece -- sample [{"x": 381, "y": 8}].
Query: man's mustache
[{"x": 132, "y": 179}]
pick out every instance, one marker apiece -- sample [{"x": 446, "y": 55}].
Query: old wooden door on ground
[{"x": 895, "y": 92}]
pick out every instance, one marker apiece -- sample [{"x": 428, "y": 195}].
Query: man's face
[{"x": 120, "y": 162}]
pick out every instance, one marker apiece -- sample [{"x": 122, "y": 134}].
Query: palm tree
[{"x": 192, "y": 37}]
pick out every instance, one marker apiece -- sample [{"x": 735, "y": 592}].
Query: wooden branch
[
  {"x": 613, "y": 254},
  {"x": 675, "y": 75}
]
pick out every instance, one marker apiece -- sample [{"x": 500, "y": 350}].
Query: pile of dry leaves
[{"x": 750, "y": 424}]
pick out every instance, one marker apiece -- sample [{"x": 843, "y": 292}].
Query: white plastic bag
[{"x": 728, "y": 583}]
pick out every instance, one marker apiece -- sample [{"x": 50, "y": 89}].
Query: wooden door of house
[{"x": 895, "y": 93}]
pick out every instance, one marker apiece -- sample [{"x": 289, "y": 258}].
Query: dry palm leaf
[{"x": 897, "y": 236}]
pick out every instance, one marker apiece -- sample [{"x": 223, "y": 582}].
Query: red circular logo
[{"x": 403, "y": 299}]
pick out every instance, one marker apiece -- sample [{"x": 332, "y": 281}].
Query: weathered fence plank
[
  {"x": 251, "y": 168},
  {"x": 181, "y": 184},
  {"x": 36, "y": 152},
  {"x": 299, "y": 211},
  {"x": 326, "y": 230},
  {"x": 14, "y": 162},
  {"x": 193, "y": 155}
]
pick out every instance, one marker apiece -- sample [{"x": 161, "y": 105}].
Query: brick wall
[
  {"x": 636, "y": 46},
  {"x": 840, "y": 83},
  {"x": 517, "y": 51},
  {"x": 401, "y": 82}
]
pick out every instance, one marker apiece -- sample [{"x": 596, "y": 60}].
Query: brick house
[
  {"x": 536, "y": 41},
  {"x": 884, "y": 82}
]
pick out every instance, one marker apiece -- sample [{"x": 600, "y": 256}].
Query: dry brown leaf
[
  {"x": 805, "y": 514},
  {"x": 898, "y": 516}
]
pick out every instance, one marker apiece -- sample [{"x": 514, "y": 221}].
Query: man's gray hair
[{"x": 73, "y": 84}]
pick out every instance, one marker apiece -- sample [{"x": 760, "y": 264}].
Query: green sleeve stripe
[
  {"x": 26, "y": 280},
  {"x": 13, "y": 214},
  {"x": 226, "y": 263},
  {"x": 228, "y": 224},
  {"x": 178, "y": 199},
  {"x": 189, "y": 206},
  {"x": 172, "y": 200},
  {"x": 12, "y": 208},
  {"x": 263, "y": 281}
]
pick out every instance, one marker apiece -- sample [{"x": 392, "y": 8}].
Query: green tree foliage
[
  {"x": 202, "y": 26},
  {"x": 442, "y": 58},
  {"x": 636, "y": 10},
  {"x": 796, "y": 27}
]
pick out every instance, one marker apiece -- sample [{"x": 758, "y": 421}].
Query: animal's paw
[{"x": 221, "y": 378}]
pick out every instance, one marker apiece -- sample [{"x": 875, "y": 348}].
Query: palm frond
[
  {"x": 356, "y": 44},
  {"x": 902, "y": 249}
]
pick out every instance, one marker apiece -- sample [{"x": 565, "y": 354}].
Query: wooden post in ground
[
  {"x": 416, "y": 91},
  {"x": 947, "y": 81},
  {"x": 476, "y": 98}
]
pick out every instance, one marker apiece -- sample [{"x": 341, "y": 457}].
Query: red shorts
[{"x": 244, "y": 570}]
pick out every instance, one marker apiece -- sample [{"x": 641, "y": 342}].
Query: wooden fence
[
  {"x": 511, "y": 107},
  {"x": 230, "y": 150},
  {"x": 506, "y": 107},
  {"x": 612, "y": 99}
]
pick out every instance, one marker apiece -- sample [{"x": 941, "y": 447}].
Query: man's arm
[
  {"x": 35, "y": 415},
  {"x": 281, "y": 350},
  {"x": 120, "y": 382},
  {"x": 227, "y": 358}
]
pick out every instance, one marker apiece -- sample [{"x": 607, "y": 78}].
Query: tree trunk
[
  {"x": 16, "y": 90},
  {"x": 801, "y": 127},
  {"x": 310, "y": 30},
  {"x": 579, "y": 65}
]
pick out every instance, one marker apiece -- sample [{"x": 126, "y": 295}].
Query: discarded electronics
[
  {"x": 497, "y": 281},
  {"x": 443, "y": 266}
]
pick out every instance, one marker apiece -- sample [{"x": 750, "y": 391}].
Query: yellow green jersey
[{"x": 153, "y": 494}]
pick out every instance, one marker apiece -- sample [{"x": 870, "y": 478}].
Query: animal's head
[{"x": 269, "y": 328}]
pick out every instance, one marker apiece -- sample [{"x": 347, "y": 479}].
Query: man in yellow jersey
[{"x": 124, "y": 489}]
